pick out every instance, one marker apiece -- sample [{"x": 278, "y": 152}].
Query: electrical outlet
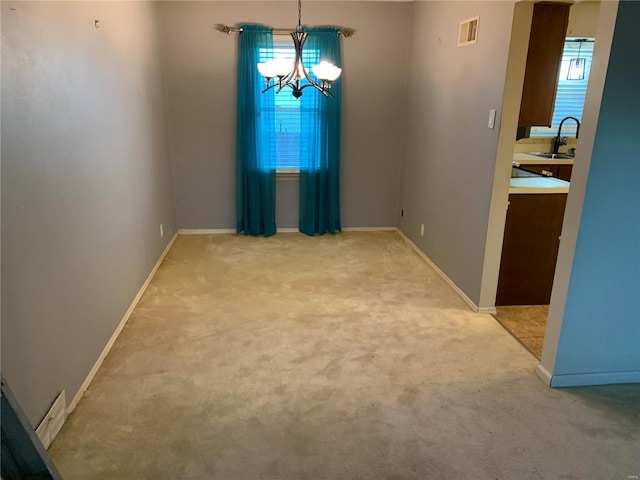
[
  {"x": 422, "y": 230},
  {"x": 161, "y": 231}
]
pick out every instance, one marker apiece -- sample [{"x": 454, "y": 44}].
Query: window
[
  {"x": 571, "y": 93},
  {"x": 287, "y": 110}
]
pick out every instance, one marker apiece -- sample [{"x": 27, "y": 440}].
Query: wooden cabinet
[
  {"x": 530, "y": 248},
  {"x": 563, "y": 172},
  {"x": 546, "y": 42},
  {"x": 547, "y": 170}
]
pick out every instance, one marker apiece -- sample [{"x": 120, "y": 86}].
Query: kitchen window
[{"x": 571, "y": 93}]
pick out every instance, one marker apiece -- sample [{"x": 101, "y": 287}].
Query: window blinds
[{"x": 286, "y": 150}]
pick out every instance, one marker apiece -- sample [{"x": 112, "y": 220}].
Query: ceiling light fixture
[
  {"x": 577, "y": 65},
  {"x": 294, "y": 74}
]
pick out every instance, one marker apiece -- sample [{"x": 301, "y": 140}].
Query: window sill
[{"x": 287, "y": 173}]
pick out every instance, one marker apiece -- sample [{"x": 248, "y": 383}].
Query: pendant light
[
  {"x": 294, "y": 74},
  {"x": 577, "y": 65}
]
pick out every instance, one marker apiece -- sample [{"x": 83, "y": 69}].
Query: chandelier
[{"x": 294, "y": 75}]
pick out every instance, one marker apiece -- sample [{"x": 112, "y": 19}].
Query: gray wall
[
  {"x": 450, "y": 154},
  {"x": 85, "y": 185},
  {"x": 200, "y": 72}
]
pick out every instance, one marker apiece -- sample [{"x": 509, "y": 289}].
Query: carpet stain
[
  {"x": 409, "y": 396},
  {"x": 323, "y": 394},
  {"x": 332, "y": 370}
]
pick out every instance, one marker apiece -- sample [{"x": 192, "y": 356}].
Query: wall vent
[
  {"x": 53, "y": 421},
  {"x": 468, "y": 33}
]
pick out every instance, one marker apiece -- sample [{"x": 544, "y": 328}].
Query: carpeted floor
[{"x": 334, "y": 357}]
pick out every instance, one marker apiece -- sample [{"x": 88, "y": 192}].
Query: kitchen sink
[{"x": 556, "y": 156}]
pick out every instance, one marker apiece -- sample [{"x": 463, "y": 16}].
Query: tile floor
[{"x": 526, "y": 323}]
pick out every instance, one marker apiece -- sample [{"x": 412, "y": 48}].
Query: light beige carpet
[{"x": 335, "y": 357}]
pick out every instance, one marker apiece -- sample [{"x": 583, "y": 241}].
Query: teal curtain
[
  {"x": 255, "y": 169},
  {"x": 320, "y": 163}
]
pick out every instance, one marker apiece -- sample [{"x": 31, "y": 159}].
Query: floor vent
[
  {"x": 53, "y": 421},
  {"x": 468, "y": 33}
]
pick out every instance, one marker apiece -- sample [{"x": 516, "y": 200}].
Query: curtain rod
[{"x": 345, "y": 32}]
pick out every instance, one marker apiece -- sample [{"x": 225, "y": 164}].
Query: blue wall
[{"x": 600, "y": 336}]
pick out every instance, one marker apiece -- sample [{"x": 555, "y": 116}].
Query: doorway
[{"x": 530, "y": 238}]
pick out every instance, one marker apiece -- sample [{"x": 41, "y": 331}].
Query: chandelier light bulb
[
  {"x": 282, "y": 66},
  {"x": 266, "y": 69},
  {"x": 326, "y": 71}
]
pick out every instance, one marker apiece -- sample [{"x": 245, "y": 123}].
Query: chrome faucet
[{"x": 559, "y": 140}]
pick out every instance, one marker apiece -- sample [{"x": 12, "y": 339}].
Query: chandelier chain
[{"x": 299, "y": 13}]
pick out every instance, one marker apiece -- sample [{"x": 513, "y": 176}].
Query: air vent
[{"x": 468, "y": 34}]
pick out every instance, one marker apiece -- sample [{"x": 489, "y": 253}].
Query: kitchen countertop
[
  {"x": 525, "y": 158},
  {"x": 538, "y": 185}
]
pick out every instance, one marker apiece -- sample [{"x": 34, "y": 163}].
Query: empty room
[{"x": 320, "y": 240}]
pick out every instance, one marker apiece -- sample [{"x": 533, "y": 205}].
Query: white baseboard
[
  {"x": 444, "y": 276},
  {"x": 107, "y": 348},
  {"x": 489, "y": 310},
  {"x": 204, "y": 231},
  {"x": 52, "y": 422},
  {"x": 214, "y": 231},
  {"x": 370, "y": 229},
  {"x": 217, "y": 231},
  {"x": 544, "y": 374},
  {"x": 589, "y": 379}
]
